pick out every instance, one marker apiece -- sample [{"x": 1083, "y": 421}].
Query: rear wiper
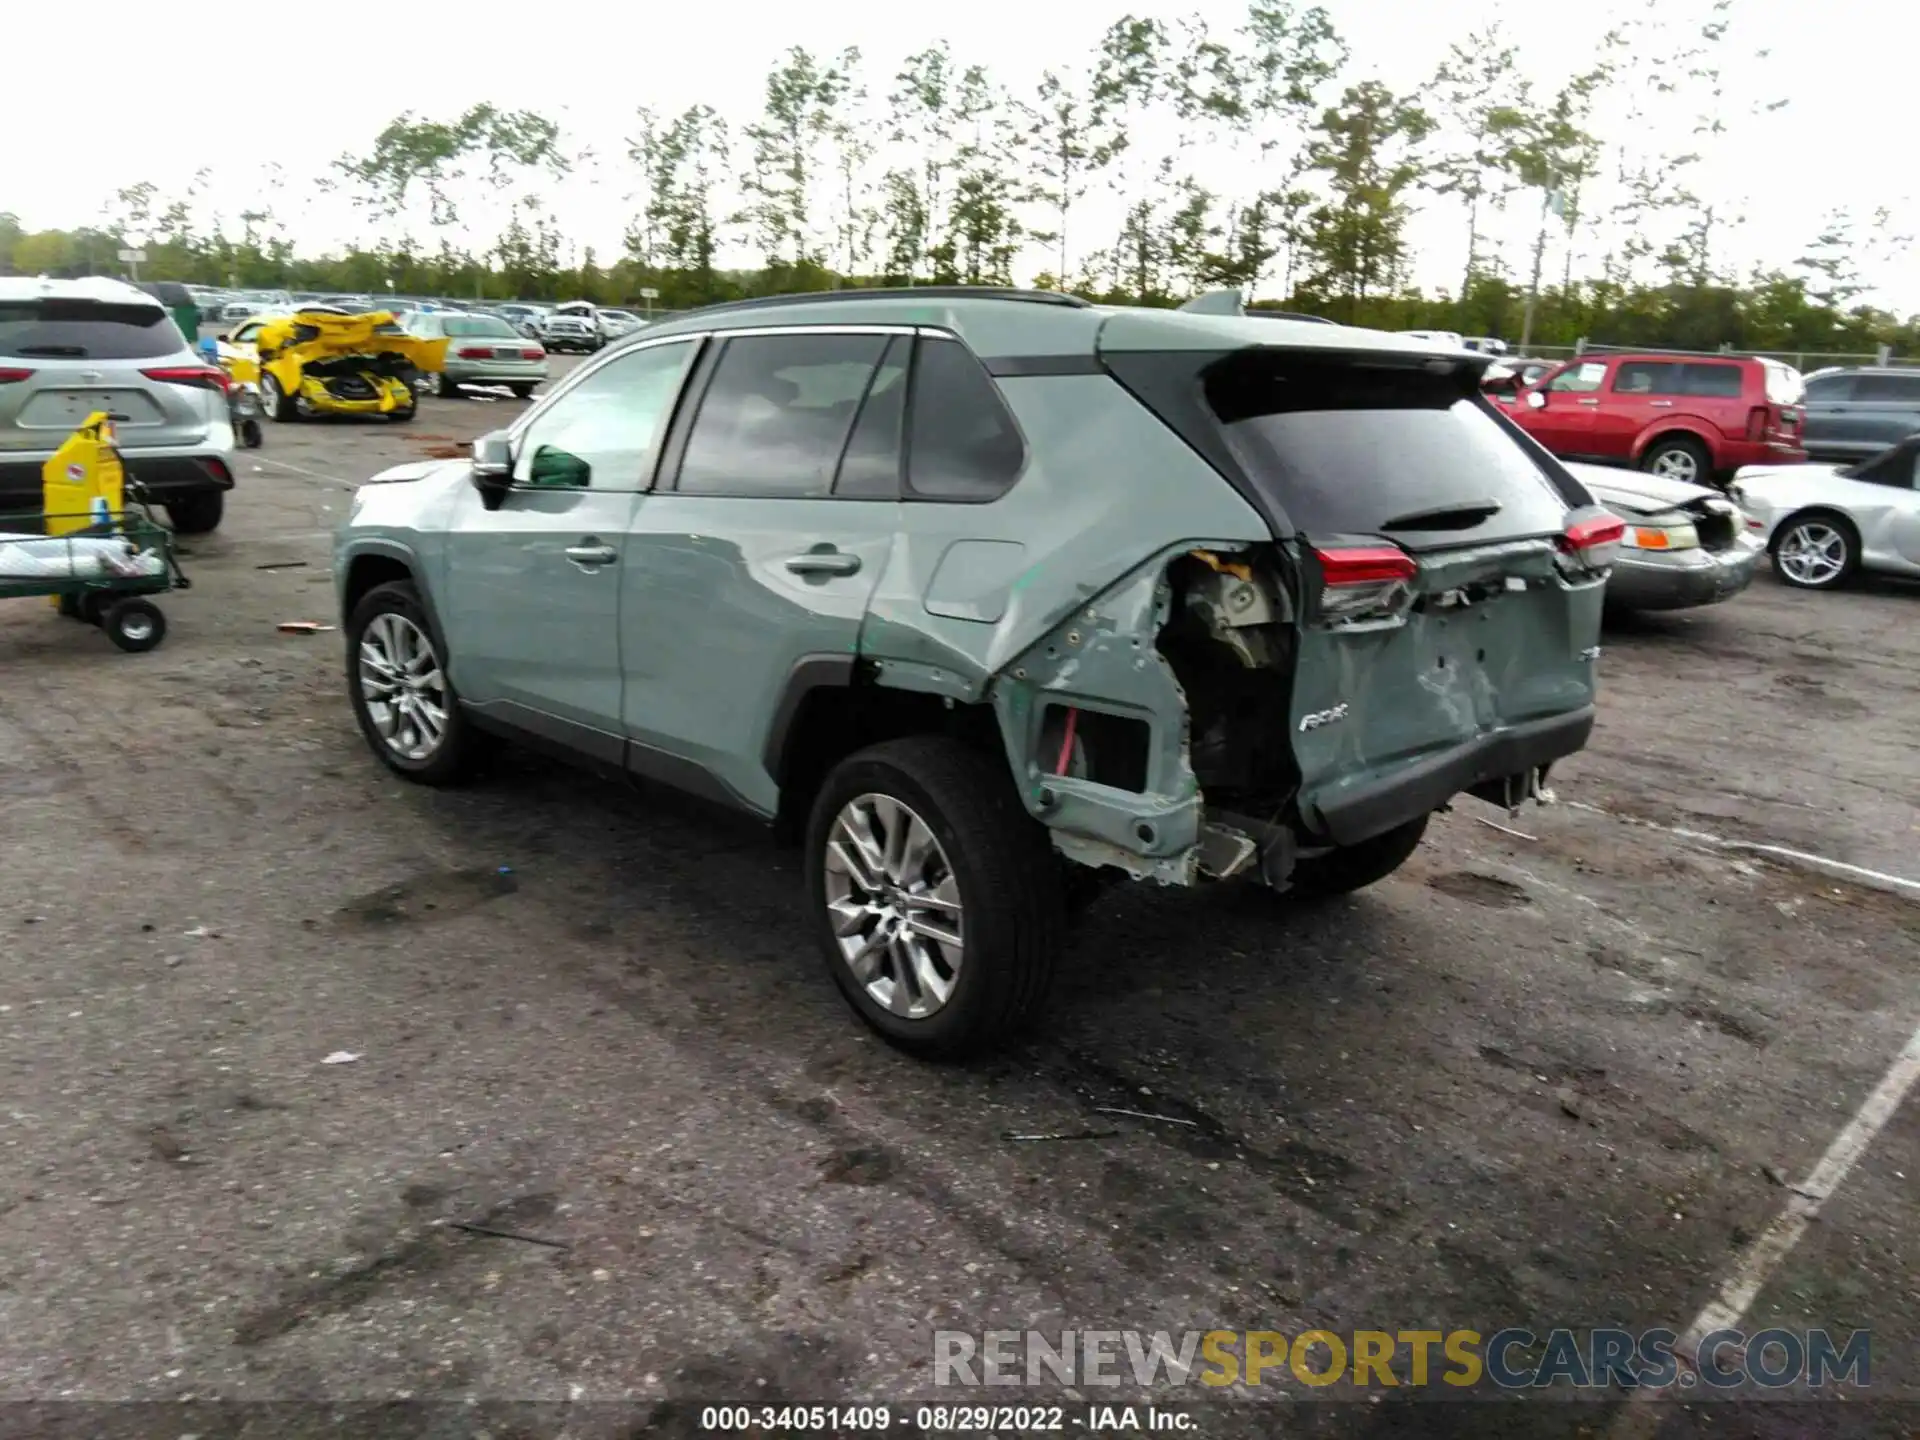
[
  {"x": 53, "y": 352},
  {"x": 1463, "y": 516}
]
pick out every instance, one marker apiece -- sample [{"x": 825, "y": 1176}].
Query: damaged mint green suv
[{"x": 986, "y": 594}]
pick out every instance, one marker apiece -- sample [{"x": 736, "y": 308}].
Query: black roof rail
[{"x": 897, "y": 292}]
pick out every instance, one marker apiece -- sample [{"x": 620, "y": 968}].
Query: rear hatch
[
  {"x": 1445, "y": 575},
  {"x": 63, "y": 358}
]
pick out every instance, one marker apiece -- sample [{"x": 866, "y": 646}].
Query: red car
[{"x": 1686, "y": 417}]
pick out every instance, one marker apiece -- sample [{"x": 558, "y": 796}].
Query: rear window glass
[
  {"x": 1905, "y": 388},
  {"x": 1785, "y": 385},
  {"x": 1348, "y": 449},
  {"x": 480, "y": 325},
  {"x": 86, "y": 330}
]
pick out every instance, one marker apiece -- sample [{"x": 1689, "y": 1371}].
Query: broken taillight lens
[
  {"x": 1592, "y": 542},
  {"x": 1364, "y": 583}
]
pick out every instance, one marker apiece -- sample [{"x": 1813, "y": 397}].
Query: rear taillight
[
  {"x": 475, "y": 352},
  {"x": 1759, "y": 422},
  {"x": 533, "y": 354},
  {"x": 1364, "y": 584},
  {"x": 200, "y": 377},
  {"x": 1593, "y": 542},
  {"x": 9, "y": 376}
]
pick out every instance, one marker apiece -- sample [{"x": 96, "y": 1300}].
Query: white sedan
[{"x": 1823, "y": 523}]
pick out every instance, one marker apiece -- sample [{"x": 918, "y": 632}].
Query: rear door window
[
  {"x": 1829, "y": 389},
  {"x": 1646, "y": 377},
  {"x": 777, "y": 413},
  {"x": 71, "y": 329},
  {"x": 870, "y": 468},
  {"x": 1711, "y": 382},
  {"x": 1366, "y": 449}
]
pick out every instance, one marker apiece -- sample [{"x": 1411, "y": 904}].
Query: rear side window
[
  {"x": 776, "y": 415},
  {"x": 1828, "y": 389},
  {"x": 1646, "y": 377},
  {"x": 61, "y": 329},
  {"x": 1711, "y": 382},
  {"x": 1357, "y": 449},
  {"x": 1904, "y": 388},
  {"x": 963, "y": 444}
]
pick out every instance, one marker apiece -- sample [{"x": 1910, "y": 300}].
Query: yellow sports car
[{"x": 317, "y": 362}]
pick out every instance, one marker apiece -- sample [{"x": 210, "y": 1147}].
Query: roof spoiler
[{"x": 1216, "y": 302}]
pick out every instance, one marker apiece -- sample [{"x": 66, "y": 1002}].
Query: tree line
[{"x": 1280, "y": 174}]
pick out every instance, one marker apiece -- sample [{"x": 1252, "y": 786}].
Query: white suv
[{"x": 69, "y": 348}]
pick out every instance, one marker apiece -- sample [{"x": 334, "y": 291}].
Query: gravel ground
[{"x": 1562, "y": 1079}]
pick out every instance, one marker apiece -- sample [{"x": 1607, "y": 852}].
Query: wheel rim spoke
[
  {"x": 403, "y": 686},
  {"x": 894, "y": 905}
]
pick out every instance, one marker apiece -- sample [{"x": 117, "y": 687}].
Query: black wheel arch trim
[
  {"x": 809, "y": 673},
  {"x": 406, "y": 556}
]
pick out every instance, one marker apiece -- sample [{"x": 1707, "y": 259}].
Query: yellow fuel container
[{"x": 82, "y": 482}]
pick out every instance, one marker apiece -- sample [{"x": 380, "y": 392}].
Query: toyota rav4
[{"x": 981, "y": 594}]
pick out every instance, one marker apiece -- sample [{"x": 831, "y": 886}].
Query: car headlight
[{"x": 1661, "y": 537}]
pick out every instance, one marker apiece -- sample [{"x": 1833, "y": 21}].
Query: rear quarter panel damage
[{"x": 1071, "y": 560}]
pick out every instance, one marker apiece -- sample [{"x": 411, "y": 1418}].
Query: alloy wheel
[
  {"x": 1677, "y": 465},
  {"x": 1813, "y": 553},
  {"x": 403, "y": 687},
  {"x": 894, "y": 902}
]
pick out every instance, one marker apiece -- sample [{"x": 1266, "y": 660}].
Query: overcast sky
[{"x": 588, "y": 63}]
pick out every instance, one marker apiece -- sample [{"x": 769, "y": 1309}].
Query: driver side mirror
[
  {"x": 492, "y": 468},
  {"x": 1536, "y": 399}
]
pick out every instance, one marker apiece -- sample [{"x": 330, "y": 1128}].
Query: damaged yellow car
[{"x": 315, "y": 362}]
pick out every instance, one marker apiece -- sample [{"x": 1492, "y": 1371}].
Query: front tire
[
  {"x": 1679, "y": 457},
  {"x": 1816, "y": 551},
  {"x": 273, "y": 400},
  {"x": 197, "y": 514},
  {"x": 936, "y": 898},
  {"x": 1354, "y": 867},
  {"x": 397, "y": 680}
]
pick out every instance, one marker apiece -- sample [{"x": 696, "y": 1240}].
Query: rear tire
[
  {"x": 197, "y": 514},
  {"x": 1679, "y": 457},
  {"x": 998, "y": 868},
  {"x": 521, "y": 391},
  {"x": 1354, "y": 867},
  {"x": 443, "y": 387},
  {"x": 134, "y": 625}
]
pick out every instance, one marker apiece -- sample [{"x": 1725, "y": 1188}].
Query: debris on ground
[
  {"x": 1063, "y": 1135},
  {"x": 340, "y": 1057},
  {"x": 1142, "y": 1115},
  {"x": 302, "y": 627},
  {"x": 508, "y": 1235}
]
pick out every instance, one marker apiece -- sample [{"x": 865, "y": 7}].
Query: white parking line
[
  {"x": 1750, "y": 1272},
  {"x": 1878, "y": 878},
  {"x": 302, "y": 470}
]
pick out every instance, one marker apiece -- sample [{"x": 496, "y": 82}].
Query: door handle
[
  {"x": 1589, "y": 402},
  {"x": 824, "y": 562},
  {"x": 1663, "y": 404},
  {"x": 589, "y": 555}
]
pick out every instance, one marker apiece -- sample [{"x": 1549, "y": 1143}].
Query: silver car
[
  {"x": 481, "y": 350},
  {"x": 1685, "y": 545},
  {"x": 1825, "y": 523},
  {"x": 69, "y": 348}
]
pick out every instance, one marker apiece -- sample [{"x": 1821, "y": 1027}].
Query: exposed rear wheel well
[
  {"x": 834, "y": 721},
  {"x": 367, "y": 571}
]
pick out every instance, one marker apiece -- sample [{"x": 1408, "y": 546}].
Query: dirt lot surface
[{"x": 1559, "y": 1080}]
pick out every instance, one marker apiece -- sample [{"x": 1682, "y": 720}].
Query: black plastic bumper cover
[{"x": 1422, "y": 786}]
